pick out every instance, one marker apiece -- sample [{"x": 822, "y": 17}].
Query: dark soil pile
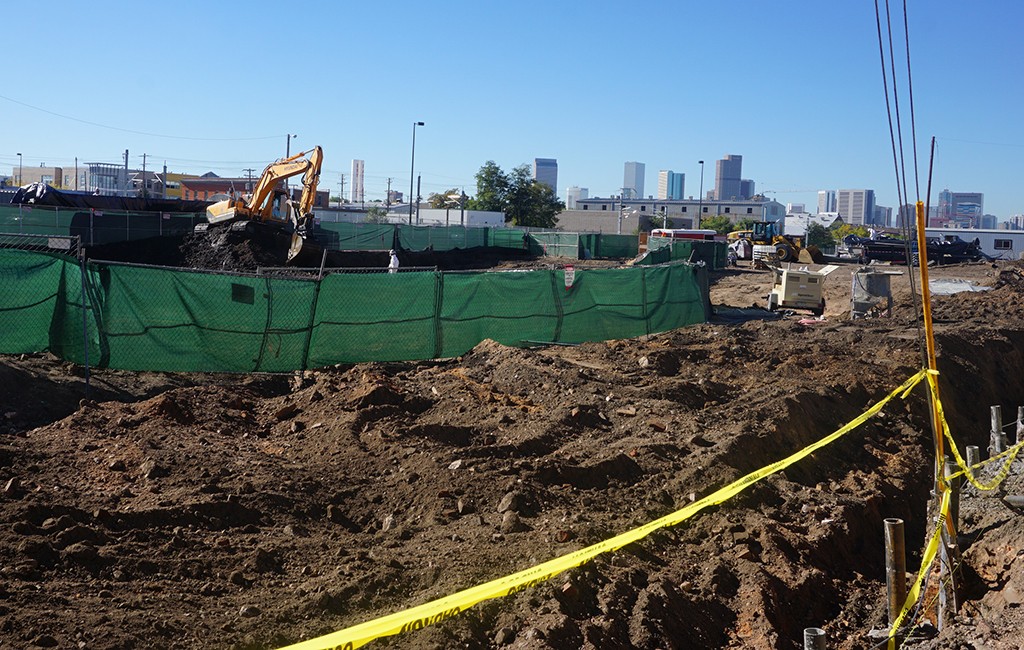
[{"x": 198, "y": 511}]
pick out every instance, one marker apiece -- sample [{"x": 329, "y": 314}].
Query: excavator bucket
[
  {"x": 812, "y": 255},
  {"x": 304, "y": 253}
]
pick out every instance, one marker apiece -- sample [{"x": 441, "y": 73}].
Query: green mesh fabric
[{"x": 144, "y": 318}]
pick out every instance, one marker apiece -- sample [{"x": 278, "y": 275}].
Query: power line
[{"x": 115, "y": 128}]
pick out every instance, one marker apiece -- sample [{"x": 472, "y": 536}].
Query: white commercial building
[
  {"x": 357, "y": 195},
  {"x": 574, "y": 194}
]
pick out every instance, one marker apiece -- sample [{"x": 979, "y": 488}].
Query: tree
[
  {"x": 840, "y": 232},
  {"x": 744, "y": 224},
  {"x": 522, "y": 200},
  {"x": 376, "y": 214},
  {"x": 720, "y": 224},
  {"x": 444, "y": 200},
  {"x": 492, "y": 187},
  {"x": 819, "y": 235}
]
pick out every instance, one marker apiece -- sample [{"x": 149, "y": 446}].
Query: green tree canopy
[
  {"x": 719, "y": 223},
  {"x": 744, "y": 224},
  {"x": 522, "y": 200},
  {"x": 376, "y": 214},
  {"x": 444, "y": 200},
  {"x": 845, "y": 229},
  {"x": 819, "y": 235}
]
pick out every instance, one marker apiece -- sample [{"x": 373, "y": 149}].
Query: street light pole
[
  {"x": 19, "y": 170},
  {"x": 700, "y": 197},
  {"x": 288, "y": 154},
  {"x": 412, "y": 172}
]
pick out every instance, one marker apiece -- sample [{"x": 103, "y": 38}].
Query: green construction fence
[
  {"x": 663, "y": 249},
  {"x": 163, "y": 319},
  {"x": 95, "y": 226},
  {"x": 103, "y": 227}
]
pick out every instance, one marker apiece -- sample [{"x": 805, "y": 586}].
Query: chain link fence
[{"x": 139, "y": 317}]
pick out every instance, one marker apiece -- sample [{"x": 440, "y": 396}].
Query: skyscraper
[
  {"x": 826, "y": 201},
  {"x": 574, "y": 194},
  {"x": 746, "y": 188},
  {"x": 545, "y": 170},
  {"x": 671, "y": 185},
  {"x": 728, "y": 173},
  {"x": 356, "y": 193},
  {"x": 633, "y": 181},
  {"x": 856, "y": 207}
]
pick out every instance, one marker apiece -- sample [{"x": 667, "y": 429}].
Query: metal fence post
[
  {"x": 814, "y": 638},
  {"x": 895, "y": 567},
  {"x": 951, "y": 468},
  {"x": 1020, "y": 424},
  {"x": 85, "y": 314},
  {"x": 997, "y": 444}
]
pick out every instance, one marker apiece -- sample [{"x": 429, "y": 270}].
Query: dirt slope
[{"x": 251, "y": 512}]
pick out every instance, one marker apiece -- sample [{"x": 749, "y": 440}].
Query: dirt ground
[{"x": 221, "y": 511}]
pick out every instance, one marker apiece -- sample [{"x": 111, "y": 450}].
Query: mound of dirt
[{"x": 241, "y": 512}]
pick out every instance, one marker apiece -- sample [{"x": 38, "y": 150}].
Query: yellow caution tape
[
  {"x": 926, "y": 563},
  {"x": 449, "y": 606},
  {"x": 965, "y": 469}
]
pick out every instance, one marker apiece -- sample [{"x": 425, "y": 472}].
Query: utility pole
[
  {"x": 387, "y": 197},
  {"x": 249, "y": 171},
  {"x": 76, "y": 173},
  {"x": 125, "y": 185},
  {"x": 144, "y": 183},
  {"x": 164, "y": 183},
  {"x": 417, "y": 200},
  {"x": 343, "y": 188}
]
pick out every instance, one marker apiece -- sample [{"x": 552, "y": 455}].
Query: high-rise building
[
  {"x": 968, "y": 208},
  {"x": 633, "y": 181},
  {"x": 746, "y": 189},
  {"x": 545, "y": 170},
  {"x": 356, "y": 193},
  {"x": 574, "y": 194},
  {"x": 856, "y": 207},
  {"x": 728, "y": 173},
  {"x": 962, "y": 209},
  {"x": 882, "y": 216},
  {"x": 826, "y": 201},
  {"x": 670, "y": 185}
]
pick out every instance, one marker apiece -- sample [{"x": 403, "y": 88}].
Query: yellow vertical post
[{"x": 929, "y": 331}]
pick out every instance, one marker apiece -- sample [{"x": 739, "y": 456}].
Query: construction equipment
[
  {"x": 798, "y": 289},
  {"x": 769, "y": 244},
  {"x": 269, "y": 206}
]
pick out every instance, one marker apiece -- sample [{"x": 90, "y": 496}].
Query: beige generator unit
[{"x": 798, "y": 289}]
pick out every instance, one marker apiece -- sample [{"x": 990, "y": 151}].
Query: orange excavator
[{"x": 269, "y": 206}]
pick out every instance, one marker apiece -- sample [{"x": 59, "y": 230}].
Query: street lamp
[
  {"x": 19, "y": 170},
  {"x": 700, "y": 197},
  {"x": 412, "y": 172},
  {"x": 288, "y": 154}
]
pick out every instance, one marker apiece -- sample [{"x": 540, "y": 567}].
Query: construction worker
[{"x": 393, "y": 264}]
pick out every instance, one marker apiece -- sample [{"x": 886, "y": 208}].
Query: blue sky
[{"x": 793, "y": 86}]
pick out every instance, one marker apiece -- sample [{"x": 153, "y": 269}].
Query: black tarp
[{"x": 44, "y": 195}]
